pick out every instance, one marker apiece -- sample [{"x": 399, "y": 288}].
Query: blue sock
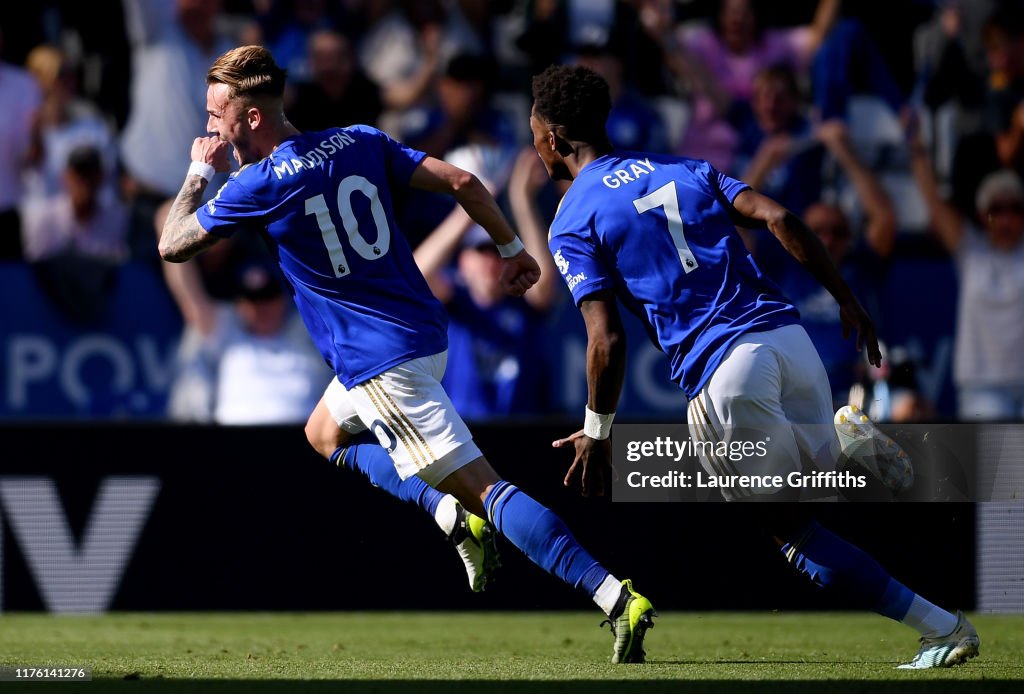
[
  {"x": 543, "y": 537},
  {"x": 365, "y": 454},
  {"x": 833, "y": 563}
]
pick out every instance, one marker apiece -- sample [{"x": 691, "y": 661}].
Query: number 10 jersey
[{"x": 324, "y": 203}]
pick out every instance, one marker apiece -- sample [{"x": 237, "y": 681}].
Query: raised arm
[
  {"x": 145, "y": 20},
  {"x": 824, "y": 19},
  {"x": 520, "y": 271},
  {"x": 434, "y": 252},
  {"x": 183, "y": 236},
  {"x": 693, "y": 74},
  {"x": 753, "y": 208},
  {"x": 186, "y": 286},
  {"x": 773, "y": 151},
  {"x": 659, "y": 24},
  {"x": 880, "y": 233},
  {"x": 528, "y": 175},
  {"x": 946, "y": 222},
  {"x": 404, "y": 93},
  {"x": 1010, "y": 142},
  {"x": 606, "y": 367}
]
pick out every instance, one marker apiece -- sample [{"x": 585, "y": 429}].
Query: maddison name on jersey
[
  {"x": 324, "y": 203},
  {"x": 314, "y": 157}
]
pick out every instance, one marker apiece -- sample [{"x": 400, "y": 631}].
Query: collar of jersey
[
  {"x": 594, "y": 163},
  {"x": 286, "y": 142}
]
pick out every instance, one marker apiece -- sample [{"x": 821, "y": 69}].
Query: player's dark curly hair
[{"x": 574, "y": 97}]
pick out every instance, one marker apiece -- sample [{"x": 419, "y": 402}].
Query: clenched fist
[{"x": 213, "y": 151}]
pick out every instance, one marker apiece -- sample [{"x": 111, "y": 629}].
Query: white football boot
[
  {"x": 956, "y": 647},
  {"x": 863, "y": 443}
]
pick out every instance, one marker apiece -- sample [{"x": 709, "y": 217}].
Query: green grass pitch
[{"x": 399, "y": 652}]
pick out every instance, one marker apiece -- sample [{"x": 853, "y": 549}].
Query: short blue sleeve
[
  {"x": 578, "y": 259},
  {"x": 728, "y": 187},
  {"x": 233, "y": 207},
  {"x": 401, "y": 160}
]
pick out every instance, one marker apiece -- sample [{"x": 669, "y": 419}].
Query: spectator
[
  {"x": 838, "y": 55},
  {"x": 951, "y": 75},
  {"x": 21, "y": 99},
  {"x": 249, "y": 361},
  {"x": 94, "y": 40},
  {"x": 76, "y": 239},
  {"x": 733, "y": 50},
  {"x": 848, "y": 62},
  {"x": 469, "y": 27},
  {"x": 859, "y": 257},
  {"x": 79, "y": 220},
  {"x": 287, "y": 34},
  {"x": 891, "y": 392},
  {"x": 838, "y": 58},
  {"x": 737, "y": 46},
  {"x": 951, "y": 62},
  {"x": 633, "y": 124},
  {"x": 998, "y": 142},
  {"x": 554, "y": 27},
  {"x": 66, "y": 121},
  {"x": 988, "y": 352},
  {"x": 338, "y": 93},
  {"x": 707, "y": 135},
  {"x": 495, "y": 366},
  {"x": 779, "y": 154},
  {"x": 401, "y": 50},
  {"x": 1004, "y": 42},
  {"x": 173, "y": 45},
  {"x": 463, "y": 114}
]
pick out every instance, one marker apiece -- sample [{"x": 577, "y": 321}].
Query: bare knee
[{"x": 323, "y": 433}]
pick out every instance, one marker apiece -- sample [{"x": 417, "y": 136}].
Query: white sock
[
  {"x": 930, "y": 620},
  {"x": 446, "y": 514},
  {"x": 607, "y": 595}
]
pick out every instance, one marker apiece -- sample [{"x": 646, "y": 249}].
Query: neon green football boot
[
  {"x": 475, "y": 541},
  {"x": 632, "y": 617}
]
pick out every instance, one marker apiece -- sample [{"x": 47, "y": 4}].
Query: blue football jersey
[
  {"x": 656, "y": 229},
  {"x": 323, "y": 201}
]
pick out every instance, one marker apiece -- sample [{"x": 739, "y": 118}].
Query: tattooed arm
[{"x": 183, "y": 236}]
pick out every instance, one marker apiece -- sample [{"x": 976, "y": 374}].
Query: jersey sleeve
[
  {"x": 579, "y": 261},
  {"x": 401, "y": 160},
  {"x": 233, "y": 207},
  {"x": 724, "y": 187}
]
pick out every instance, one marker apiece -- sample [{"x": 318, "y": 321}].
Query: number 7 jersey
[
  {"x": 657, "y": 230},
  {"x": 323, "y": 201}
]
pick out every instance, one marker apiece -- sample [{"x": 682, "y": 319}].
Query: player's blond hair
[{"x": 249, "y": 71}]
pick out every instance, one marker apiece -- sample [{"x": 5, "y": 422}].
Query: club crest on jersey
[
  {"x": 212, "y": 204},
  {"x": 561, "y": 262},
  {"x": 619, "y": 177},
  {"x": 563, "y": 267}
]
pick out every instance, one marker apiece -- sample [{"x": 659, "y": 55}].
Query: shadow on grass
[{"x": 923, "y": 686}]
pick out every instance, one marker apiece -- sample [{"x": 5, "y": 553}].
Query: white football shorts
[
  {"x": 412, "y": 417},
  {"x": 765, "y": 411}
]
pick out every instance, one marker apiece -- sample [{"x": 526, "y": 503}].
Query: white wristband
[
  {"x": 513, "y": 247},
  {"x": 201, "y": 169},
  {"x": 597, "y": 426}
]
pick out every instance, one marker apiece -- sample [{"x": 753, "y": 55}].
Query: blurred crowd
[{"x": 896, "y": 130}]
